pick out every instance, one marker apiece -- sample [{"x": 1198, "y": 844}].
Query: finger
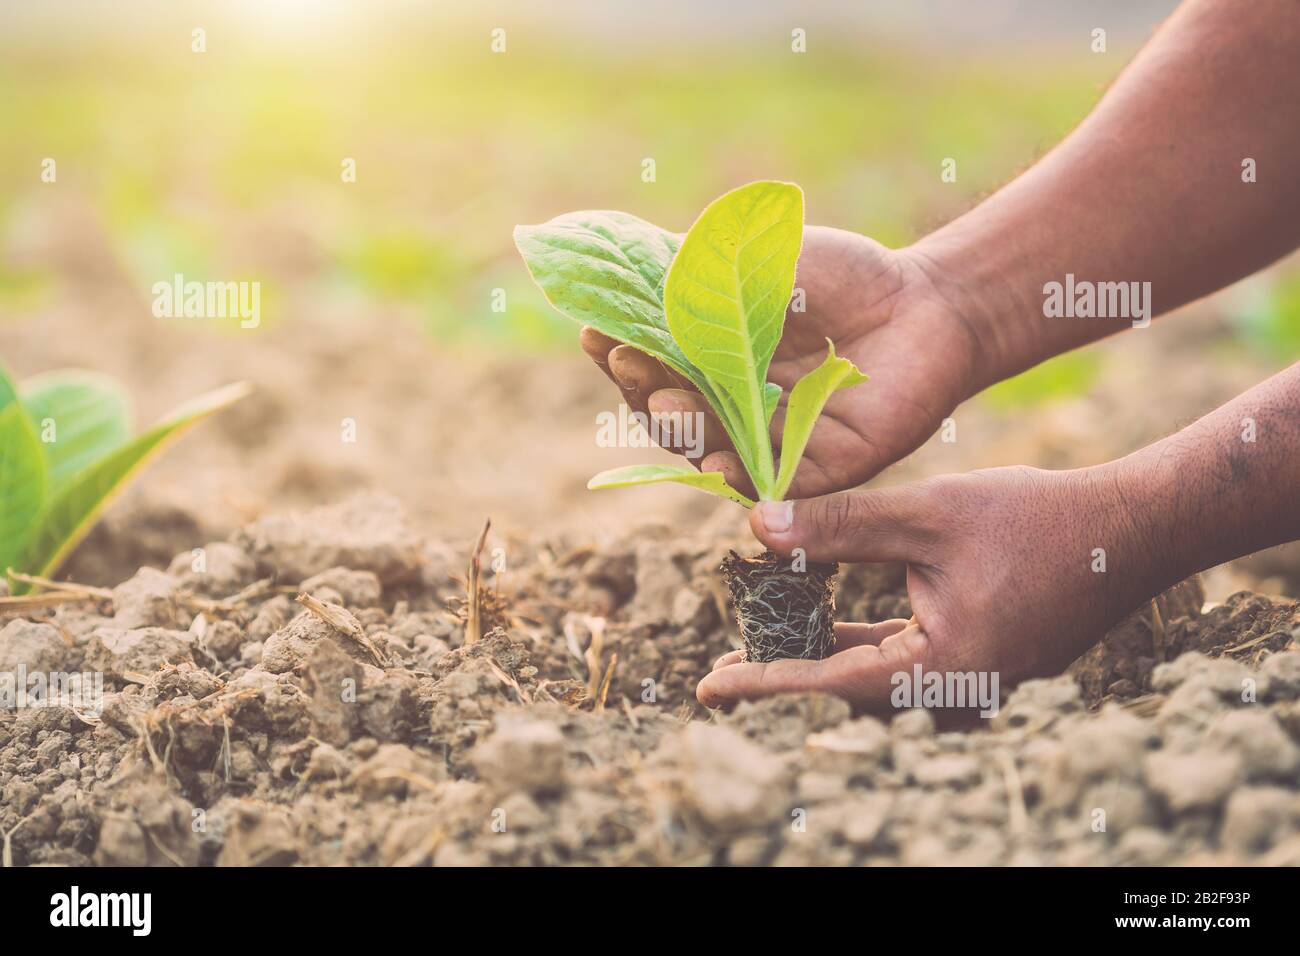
[
  {"x": 729, "y": 464},
  {"x": 862, "y": 675},
  {"x": 691, "y": 427},
  {"x": 846, "y": 635},
  {"x": 726, "y": 686},
  {"x": 855, "y": 635},
  {"x": 638, "y": 374},
  {"x": 886, "y": 525},
  {"x": 731, "y": 657},
  {"x": 597, "y": 345}
]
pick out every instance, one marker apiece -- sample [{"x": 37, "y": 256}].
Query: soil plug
[
  {"x": 711, "y": 307},
  {"x": 783, "y": 609}
]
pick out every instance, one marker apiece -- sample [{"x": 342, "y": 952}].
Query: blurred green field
[{"x": 228, "y": 163}]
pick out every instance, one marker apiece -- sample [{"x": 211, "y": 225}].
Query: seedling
[
  {"x": 711, "y": 306},
  {"x": 65, "y": 451}
]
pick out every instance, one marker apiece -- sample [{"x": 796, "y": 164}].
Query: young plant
[
  {"x": 711, "y": 306},
  {"x": 65, "y": 451}
]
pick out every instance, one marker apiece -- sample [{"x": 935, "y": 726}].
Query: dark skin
[{"x": 1002, "y": 569}]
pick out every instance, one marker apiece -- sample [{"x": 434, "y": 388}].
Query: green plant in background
[
  {"x": 1271, "y": 323},
  {"x": 1065, "y": 376},
  {"x": 710, "y": 306},
  {"x": 65, "y": 450}
]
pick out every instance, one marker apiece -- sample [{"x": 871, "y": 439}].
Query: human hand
[
  {"x": 1000, "y": 572},
  {"x": 883, "y": 312}
]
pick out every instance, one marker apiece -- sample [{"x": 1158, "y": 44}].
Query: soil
[
  {"x": 243, "y": 725},
  {"x": 783, "y": 608}
]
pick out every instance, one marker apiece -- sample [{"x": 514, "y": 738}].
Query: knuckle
[
  {"x": 956, "y": 494},
  {"x": 839, "y": 516}
]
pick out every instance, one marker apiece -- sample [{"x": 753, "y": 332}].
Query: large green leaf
[
  {"x": 710, "y": 481},
  {"x": 84, "y": 414},
  {"x": 725, "y": 299},
  {"x": 807, "y": 399},
  {"x": 71, "y": 512},
  {"x": 606, "y": 270},
  {"x": 23, "y": 481}
]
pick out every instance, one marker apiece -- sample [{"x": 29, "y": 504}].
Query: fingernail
[
  {"x": 663, "y": 402},
  {"x": 777, "y": 516},
  {"x": 622, "y": 369}
]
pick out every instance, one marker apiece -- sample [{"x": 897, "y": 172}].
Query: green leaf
[
  {"x": 88, "y": 412},
  {"x": 23, "y": 482},
  {"x": 771, "y": 398},
  {"x": 725, "y": 299},
  {"x": 71, "y": 512},
  {"x": 710, "y": 481},
  {"x": 606, "y": 270},
  {"x": 807, "y": 399}
]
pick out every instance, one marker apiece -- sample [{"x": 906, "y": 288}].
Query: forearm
[
  {"x": 1225, "y": 486},
  {"x": 1149, "y": 188}
]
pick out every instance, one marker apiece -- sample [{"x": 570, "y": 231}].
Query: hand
[
  {"x": 1000, "y": 572},
  {"x": 882, "y": 311}
]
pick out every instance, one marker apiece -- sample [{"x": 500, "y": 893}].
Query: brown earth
[{"x": 240, "y": 727}]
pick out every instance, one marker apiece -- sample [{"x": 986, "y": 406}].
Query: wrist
[
  {"x": 1224, "y": 486},
  {"x": 984, "y": 298},
  {"x": 1133, "y": 543}
]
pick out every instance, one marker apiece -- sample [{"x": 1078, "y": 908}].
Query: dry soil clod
[{"x": 345, "y": 623}]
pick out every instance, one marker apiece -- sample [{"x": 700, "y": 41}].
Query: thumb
[{"x": 883, "y": 525}]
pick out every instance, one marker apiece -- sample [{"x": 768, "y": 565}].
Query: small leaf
[
  {"x": 807, "y": 399},
  {"x": 710, "y": 481},
  {"x": 771, "y": 398},
  {"x": 69, "y": 514},
  {"x": 23, "y": 482},
  {"x": 725, "y": 299},
  {"x": 90, "y": 416}
]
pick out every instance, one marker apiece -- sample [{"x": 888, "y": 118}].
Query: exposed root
[{"x": 784, "y": 610}]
